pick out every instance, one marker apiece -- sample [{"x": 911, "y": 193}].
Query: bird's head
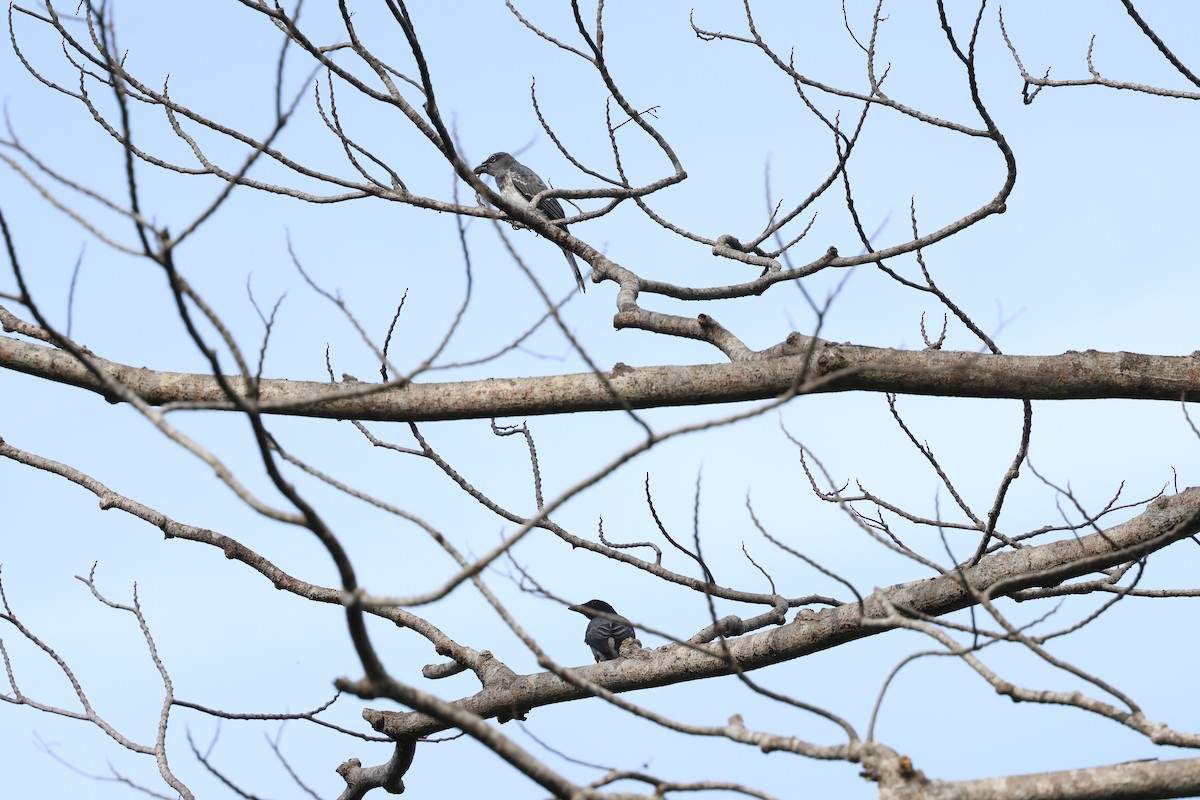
[
  {"x": 493, "y": 163},
  {"x": 590, "y": 608}
]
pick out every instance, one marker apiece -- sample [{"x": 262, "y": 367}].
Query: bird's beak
[
  {"x": 482, "y": 168},
  {"x": 580, "y": 609}
]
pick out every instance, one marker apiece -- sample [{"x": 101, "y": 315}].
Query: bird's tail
[{"x": 575, "y": 266}]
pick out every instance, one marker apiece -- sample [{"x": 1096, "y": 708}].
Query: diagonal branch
[{"x": 1165, "y": 521}]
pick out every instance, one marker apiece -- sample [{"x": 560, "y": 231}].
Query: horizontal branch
[
  {"x": 1133, "y": 780},
  {"x": 1165, "y": 520},
  {"x": 834, "y": 368}
]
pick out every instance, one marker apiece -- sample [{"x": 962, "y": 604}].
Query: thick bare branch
[{"x": 834, "y": 368}]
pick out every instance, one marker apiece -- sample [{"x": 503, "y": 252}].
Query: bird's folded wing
[
  {"x": 530, "y": 185},
  {"x": 607, "y": 629}
]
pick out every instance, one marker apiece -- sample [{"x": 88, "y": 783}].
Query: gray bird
[
  {"x": 606, "y": 629},
  {"x": 518, "y": 184}
]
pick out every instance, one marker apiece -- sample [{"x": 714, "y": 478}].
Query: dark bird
[
  {"x": 518, "y": 184},
  {"x": 606, "y": 629}
]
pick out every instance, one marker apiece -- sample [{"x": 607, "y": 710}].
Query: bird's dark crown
[
  {"x": 491, "y": 160},
  {"x": 599, "y": 605}
]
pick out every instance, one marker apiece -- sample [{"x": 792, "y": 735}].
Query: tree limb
[{"x": 834, "y": 368}]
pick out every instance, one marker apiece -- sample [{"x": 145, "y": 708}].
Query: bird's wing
[
  {"x": 605, "y": 629},
  {"x": 527, "y": 182}
]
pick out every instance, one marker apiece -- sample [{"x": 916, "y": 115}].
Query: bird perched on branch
[
  {"x": 606, "y": 629},
  {"x": 518, "y": 184}
]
